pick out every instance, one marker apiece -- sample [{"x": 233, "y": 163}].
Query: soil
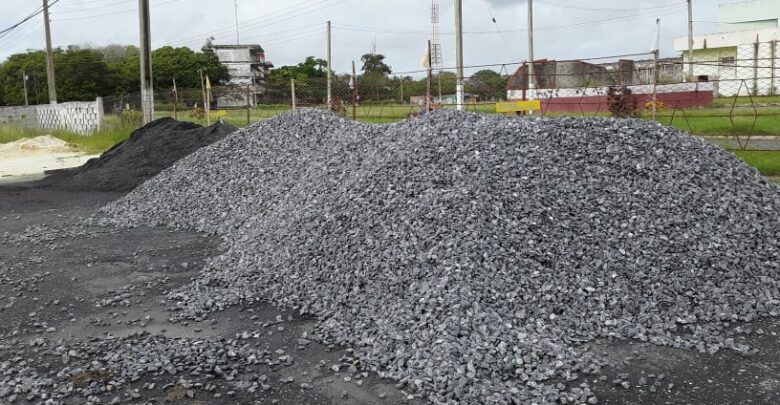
[{"x": 142, "y": 264}]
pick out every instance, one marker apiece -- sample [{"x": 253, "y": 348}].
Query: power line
[
  {"x": 585, "y": 8},
  {"x": 269, "y": 19},
  {"x": 38, "y": 11},
  {"x": 133, "y": 10}
]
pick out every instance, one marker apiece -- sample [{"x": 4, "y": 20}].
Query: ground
[{"x": 77, "y": 286}]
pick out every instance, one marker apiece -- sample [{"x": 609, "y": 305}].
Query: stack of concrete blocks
[{"x": 80, "y": 117}]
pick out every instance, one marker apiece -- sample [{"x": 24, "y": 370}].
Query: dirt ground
[{"x": 76, "y": 286}]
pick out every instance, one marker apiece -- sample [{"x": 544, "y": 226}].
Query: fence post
[
  {"x": 175, "y": 101},
  {"x": 354, "y": 92},
  {"x": 100, "y": 112},
  {"x": 292, "y": 85},
  {"x": 655, "y": 83},
  {"x": 773, "y": 55},
  {"x": 247, "y": 105}
]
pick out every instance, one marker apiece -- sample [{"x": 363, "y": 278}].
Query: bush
[{"x": 622, "y": 103}]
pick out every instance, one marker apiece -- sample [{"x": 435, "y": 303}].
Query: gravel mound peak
[
  {"x": 148, "y": 151},
  {"x": 473, "y": 257}
]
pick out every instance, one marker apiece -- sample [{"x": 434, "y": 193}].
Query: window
[{"x": 728, "y": 61}]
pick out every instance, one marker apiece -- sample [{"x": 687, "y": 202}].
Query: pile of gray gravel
[
  {"x": 474, "y": 257},
  {"x": 146, "y": 153}
]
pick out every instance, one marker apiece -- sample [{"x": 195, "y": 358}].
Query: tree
[
  {"x": 374, "y": 80},
  {"x": 309, "y": 76},
  {"x": 11, "y": 79},
  {"x": 183, "y": 64},
  {"x": 82, "y": 75},
  {"x": 374, "y": 64},
  {"x": 488, "y": 84}
]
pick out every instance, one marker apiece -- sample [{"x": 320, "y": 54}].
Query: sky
[{"x": 290, "y": 30}]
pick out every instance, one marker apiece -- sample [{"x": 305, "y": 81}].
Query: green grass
[
  {"x": 767, "y": 162},
  {"x": 729, "y": 101},
  {"x": 113, "y": 132}
]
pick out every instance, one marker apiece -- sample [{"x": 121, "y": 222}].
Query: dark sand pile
[{"x": 147, "y": 152}]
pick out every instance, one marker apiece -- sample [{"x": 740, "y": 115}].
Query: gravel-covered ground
[
  {"x": 85, "y": 320},
  {"x": 470, "y": 259}
]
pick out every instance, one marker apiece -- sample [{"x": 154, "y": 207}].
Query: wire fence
[{"x": 733, "y": 92}]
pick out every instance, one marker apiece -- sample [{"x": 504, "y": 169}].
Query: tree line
[{"x": 84, "y": 73}]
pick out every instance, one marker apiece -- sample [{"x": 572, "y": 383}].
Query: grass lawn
[
  {"x": 767, "y": 162},
  {"x": 113, "y": 132}
]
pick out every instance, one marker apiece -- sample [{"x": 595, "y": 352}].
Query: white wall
[{"x": 79, "y": 117}]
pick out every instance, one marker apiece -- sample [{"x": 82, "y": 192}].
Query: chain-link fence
[{"x": 729, "y": 93}]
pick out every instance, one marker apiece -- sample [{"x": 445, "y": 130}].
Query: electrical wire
[
  {"x": 132, "y": 10},
  {"x": 585, "y": 8}
]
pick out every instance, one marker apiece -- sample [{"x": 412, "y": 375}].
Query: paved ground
[{"x": 79, "y": 286}]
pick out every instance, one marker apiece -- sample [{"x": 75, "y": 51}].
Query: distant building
[
  {"x": 247, "y": 67},
  {"x": 743, "y": 56}
]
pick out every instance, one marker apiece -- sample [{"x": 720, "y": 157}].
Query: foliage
[
  {"x": 488, "y": 84},
  {"x": 184, "y": 64},
  {"x": 85, "y": 73},
  {"x": 622, "y": 103},
  {"x": 374, "y": 64}
]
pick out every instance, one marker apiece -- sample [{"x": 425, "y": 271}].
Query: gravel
[
  {"x": 473, "y": 258},
  {"x": 148, "y": 151}
]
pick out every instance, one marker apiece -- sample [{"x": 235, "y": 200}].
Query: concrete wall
[
  {"x": 79, "y": 117},
  {"x": 748, "y": 15}
]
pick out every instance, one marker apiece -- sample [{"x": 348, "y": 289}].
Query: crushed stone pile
[
  {"x": 471, "y": 257},
  {"x": 148, "y": 151}
]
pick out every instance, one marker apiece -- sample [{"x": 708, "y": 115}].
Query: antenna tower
[{"x": 436, "y": 56}]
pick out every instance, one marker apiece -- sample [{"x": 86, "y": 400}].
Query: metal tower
[{"x": 436, "y": 56}]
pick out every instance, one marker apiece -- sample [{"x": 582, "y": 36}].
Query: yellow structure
[{"x": 518, "y": 106}]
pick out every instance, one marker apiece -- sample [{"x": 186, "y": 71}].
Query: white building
[
  {"x": 743, "y": 57},
  {"x": 247, "y": 67}
]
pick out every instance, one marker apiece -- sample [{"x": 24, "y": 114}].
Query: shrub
[{"x": 622, "y": 103}]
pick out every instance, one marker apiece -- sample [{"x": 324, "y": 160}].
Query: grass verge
[
  {"x": 112, "y": 132},
  {"x": 766, "y": 162}
]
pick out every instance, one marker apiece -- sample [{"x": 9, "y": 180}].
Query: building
[
  {"x": 578, "y": 86},
  {"x": 248, "y": 68},
  {"x": 743, "y": 56}
]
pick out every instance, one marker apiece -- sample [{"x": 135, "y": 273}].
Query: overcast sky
[{"x": 290, "y": 30}]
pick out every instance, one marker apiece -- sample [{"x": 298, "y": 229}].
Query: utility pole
[
  {"x": 49, "y": 55},
  {"x": 238, "y": 35},
  {"x": 203, "y": 90},
  {"x": 147, "y": 87},
  {"x": 690, "y": 40},
  {"x": 531, "y": 78},
  {"x": 459, "y": 53},
  {"x": 330, "y": 72},
  {"x": 24, "y": 79}
]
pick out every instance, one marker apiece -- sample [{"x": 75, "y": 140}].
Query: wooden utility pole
[
  {"x": 330, "y": 72},
  {"x": 24, "y": 80},
  {"x": 147, "y": 85},
  {"x": 459, "y": 53},
  {"x": 690, "y": 40},
  {"x": 49, "y": 55},
  {"x": 531, "y": 81},
  {"x": 203, "y": 89}
]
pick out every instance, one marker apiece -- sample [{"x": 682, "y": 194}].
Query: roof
[{"x": 238, "y": 47}]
